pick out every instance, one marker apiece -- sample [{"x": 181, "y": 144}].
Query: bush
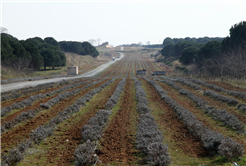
[
  {"x": 230, "y": 149},
  {"x": 13, "y": 157},
  {"x": 83, "y": 153}
]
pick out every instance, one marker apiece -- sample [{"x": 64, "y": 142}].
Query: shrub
[
  {"x": 83, "y": 153},
  {"x": 230, "y": 149}
]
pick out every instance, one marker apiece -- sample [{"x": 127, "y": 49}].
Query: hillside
[{"x": 72, "y": 59}]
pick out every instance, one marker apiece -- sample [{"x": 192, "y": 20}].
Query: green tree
[
  {"x": 49, "y": 58},
  {"x": 36, "y": 40},
  {"x": 188, "y": 55},
  {"x": 237, "y": 36},
  {"x": 37, "y": 60},
  {"x": 6, "y": 49},
  {"x": 53, "y": 42},
  {"x": 84, "y": 48},
  {"x": 210, "y": 50},
  {"x": 167, "y": 50},
  {"x": 167, "y": 40}
]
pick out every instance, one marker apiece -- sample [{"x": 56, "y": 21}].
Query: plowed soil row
[
  {"x": 36, "y": 105},
  {"x": 17, "y": 134},
  {"x": 227, "y": 86},
  {"x": 89, "y": 68},
  {"x": 146, "y": 68},
  {"x": 175, "y": 131},
  {"x": 216, "y": 103},
  {"x": 113, "y": 67},
  {"x": 150, "y": 66},
  {"x": 72, "y": 130},
  {"x": 117, "y": 141},
  {"x": 21, "y": 98},
  {"x": 200, "y": 115}
]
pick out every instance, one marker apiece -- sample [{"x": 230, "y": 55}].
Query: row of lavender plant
[
  {"x": 228, "y": 100},
  {"x": 13, "y": 94},
  {"x": 31, "y": 99},
  {"x": 213, "y": 141},
  {"x": 221, "y": 115},
  {"x": 17, "y": 153},
  {"x": 217, "y": 96},
  {"x": 92, "y": 131},
  {"x": 220, "y": 89},
  {"x": 32, "y": 113},
  {"x": 149, "y": 138},
  {"x": 188, "y": 83},
  {"x": 147, "y": 67}
]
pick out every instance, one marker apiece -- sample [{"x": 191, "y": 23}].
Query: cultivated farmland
[{"x": 118, "y": 118}]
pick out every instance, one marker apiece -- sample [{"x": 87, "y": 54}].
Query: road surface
[{"x": 18, "y": 85}]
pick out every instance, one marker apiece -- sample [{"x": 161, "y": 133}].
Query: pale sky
[{"x": 120, "y": 22}]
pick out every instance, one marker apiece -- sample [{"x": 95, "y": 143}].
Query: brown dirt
[
  {"x": 227, "y": 86},
  {"x": 17, "y": 134},
  {"x": 73, "y": 133},
  {"x": 117, "y": 142},
  {"x": 34, "y": 106},
  {"x": 188, "y": 143}
]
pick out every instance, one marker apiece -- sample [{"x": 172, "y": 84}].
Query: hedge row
[
  {"x": 149, "y": 138},
  {"x": 41, "y": 132},
  {"x": 213, "y": 141}
]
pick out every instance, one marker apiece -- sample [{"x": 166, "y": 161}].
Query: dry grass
[
  {"x": 72, "y": 60},
  {"x": 78, "y": 60}
]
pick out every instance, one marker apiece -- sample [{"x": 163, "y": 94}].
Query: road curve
[{"x": 18, "y": 85}]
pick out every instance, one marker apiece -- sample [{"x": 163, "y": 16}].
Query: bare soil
[{"x": 117, "y": 142}]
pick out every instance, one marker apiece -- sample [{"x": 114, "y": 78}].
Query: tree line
[
  {"x": 84, "y": 48},
  {"x": 206, "y": 39},
  {"x": 214, "y": 58},
  {"x": 36, "y": 52}
]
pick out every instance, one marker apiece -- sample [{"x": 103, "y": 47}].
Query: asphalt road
[{"x": 18, "y": 85}]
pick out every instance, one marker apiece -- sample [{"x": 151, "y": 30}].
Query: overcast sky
[{"x": 121, "y": 22}]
